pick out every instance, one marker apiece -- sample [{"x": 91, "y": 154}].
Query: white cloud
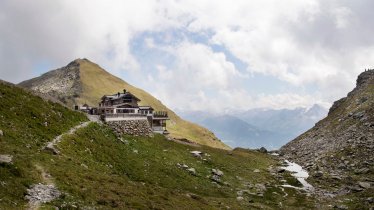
[
  {"x": 272, "y": 40},
  {"x": 325, "y": 44},
  {"x": 204, "y": 67},
  {"x": 64, "y": 30},
  {"x": 202, "y": 79},
  {"x": 342, "y": 16}
]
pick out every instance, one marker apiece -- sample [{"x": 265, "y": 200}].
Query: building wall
[{"x": 138, "y": 127}]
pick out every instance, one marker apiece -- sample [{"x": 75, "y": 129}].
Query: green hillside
[
  {"x": 27, "y": 123},
  {"x": 93, "y": 82},
  {"x": 95, "y": 169}
]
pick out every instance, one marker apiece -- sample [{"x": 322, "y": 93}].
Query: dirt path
[
  {"x": 42, "y": 192},
  {"x": 51, "y": 146},
  {"x": 47, "y": 191},
  {"x": 46, "y": 177}
]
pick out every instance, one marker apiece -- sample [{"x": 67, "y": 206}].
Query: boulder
[
  {"x": 365, "y": 185},
  {"x": 340, "y": 207},
  {"x": 355, "y": 188},
  {"x": 192, "y": 171},
  {"x": 318, "y": 174},
  {"x": 217, "y": 172},
  {"x": 6, "y": 158},
  {"x": 52, "y": 149},
  {"x": 215, "y": 178},
  {"x": 196, "y": 153},
  {"x": 281, "y": 170},
  {"x": 260, "y": 187},
  {"x": 1, "y": 133},
  {"x": 239, "y": 198},
  {"x": 263, "y": 150}
]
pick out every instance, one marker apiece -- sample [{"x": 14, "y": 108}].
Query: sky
[{"x": 199, "y": 54}]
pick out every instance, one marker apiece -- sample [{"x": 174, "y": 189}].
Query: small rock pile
[
  {"x": 192, "y": 171},
  {"x": 131, "y": 127},
  {"x": 216, "y": 175},
  {"x": 41, "y": 193},
  {"x": 198, "y": 154}
]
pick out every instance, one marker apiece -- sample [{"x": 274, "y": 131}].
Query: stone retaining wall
[{"x": 131, "y": 127}]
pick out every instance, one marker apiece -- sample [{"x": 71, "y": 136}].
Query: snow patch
[{"x": 300, "y": 174}]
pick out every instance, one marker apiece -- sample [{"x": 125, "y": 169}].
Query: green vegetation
[
  {"x": 27, "y": 123},
  {"x": 97, "y": 169}
]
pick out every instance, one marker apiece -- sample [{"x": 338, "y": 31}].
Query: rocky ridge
[
  {"x": 62, "y": 83},
  {"x": 338, "y": 150}
]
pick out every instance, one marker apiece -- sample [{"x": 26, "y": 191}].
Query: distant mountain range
[{"x": 256, "y": 128}]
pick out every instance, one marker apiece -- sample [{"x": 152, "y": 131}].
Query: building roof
[
  {"x": 145, "y": 107},
  {"x": 120, "y": 95}
]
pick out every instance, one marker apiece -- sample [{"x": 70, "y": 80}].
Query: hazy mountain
[
  {"x": 83, "y": 81},
  {"x": 258, "y": 127},
  {"x": 288, "y": 122}
]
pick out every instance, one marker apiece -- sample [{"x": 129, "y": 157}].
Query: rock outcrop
[
  {"x": 63, "y": 84},
  {"x": 339, "y": 149}
]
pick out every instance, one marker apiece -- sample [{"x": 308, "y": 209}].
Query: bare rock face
[
  {"x": 342, "y": 144},
  {"x": 63, "y": 83}
]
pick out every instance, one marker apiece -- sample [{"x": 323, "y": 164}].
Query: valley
[{"x": 52, "y": 156}]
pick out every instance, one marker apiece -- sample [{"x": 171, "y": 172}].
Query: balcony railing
[
  {"x": 160, "y": 114},
  {"x": 119, "y": 116}
]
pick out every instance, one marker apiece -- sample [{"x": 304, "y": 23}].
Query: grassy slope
[
  {"x": 22, "y": 118},
  {"x": 95, "y": 169},
  {"x": 97, "y": 82},
  {"x": 98, "y": 170}
]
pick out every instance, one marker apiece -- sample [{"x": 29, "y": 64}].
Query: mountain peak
[
  {"x": 85, "y": 82},
  {"x": 79, "y": 61}
]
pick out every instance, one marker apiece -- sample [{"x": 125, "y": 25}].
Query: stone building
[{"x": 124, "y": 106}]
